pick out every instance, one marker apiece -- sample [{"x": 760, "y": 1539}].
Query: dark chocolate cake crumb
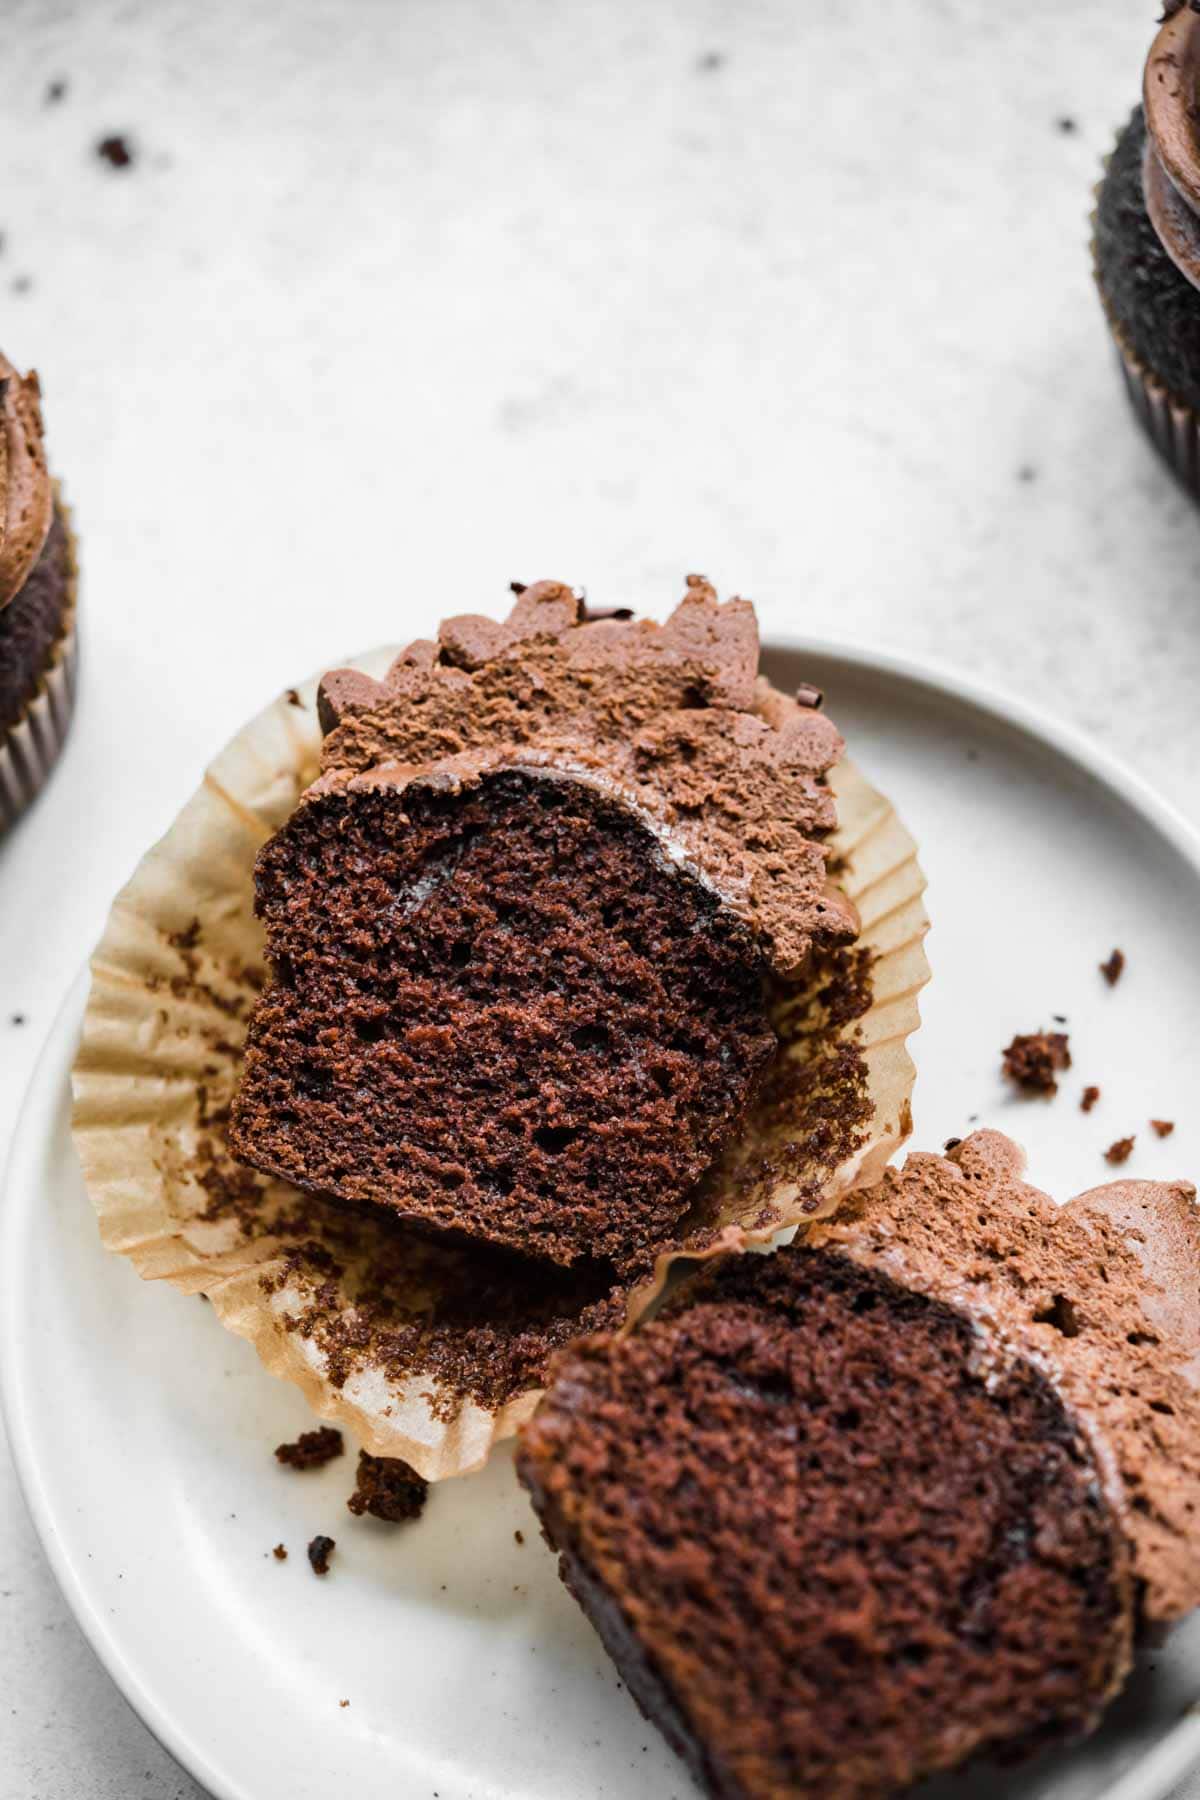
[
  {"x": 17, "y": 1019},
  {"x": 519, "y": 1537},
  {"x": 1113, "y": 968},
  {"x": 1090, "y": 1097},
  {"x": 56, "y": 90},
  {"x": 116, "y": 151},
  {"x": 1059, "y": 1018},
  {"x": 1032, "y": 1060},
  {"x": 312, "y": 1449},
  {"x": 280, "y": 1553},
  {"x": 1067, "y": 125},
  {"x": 387, "y": 1488},
  {"x": 319, "y": 1551},
  {"x": 1120, "y": 1151},
  {"x": 1163, "y": 1127}
]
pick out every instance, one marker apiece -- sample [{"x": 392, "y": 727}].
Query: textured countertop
[{"x": 398, "y": 302}]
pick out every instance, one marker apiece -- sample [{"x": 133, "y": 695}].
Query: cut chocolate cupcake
[
  {"x": 498, "y": 1008},
  {"x": 523, "y": 978},
  {"x": 854, "y": 1513},
  {"x": 37, "y": 600}
]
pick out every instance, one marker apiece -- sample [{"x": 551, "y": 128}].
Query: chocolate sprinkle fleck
[
  {"x": 319, "y": 1551},
  {"x": 808, "y": 695}
]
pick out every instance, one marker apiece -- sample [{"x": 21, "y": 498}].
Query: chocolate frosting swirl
[{"x": 26, "y": 496}]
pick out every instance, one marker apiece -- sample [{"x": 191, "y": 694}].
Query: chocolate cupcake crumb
[
  {"x": 519, "y": 1537},
  {"x": 1090, "y": 1097},
  {"x": 280, "y": 1553},
  {"x": 1032, "y": 1059},
  {"x": 1112, "y": 969},
  {"x": 312, "y": 1449},
  {"x": 320, "y": 1550},
  {"x": 1162, "y": 1127},
  {"x": 116, "y": 151},
  {"x": 56, "y": 91},
  {"x": 387, "y": 1488},
  {"x": 1120, "y": 1151}
]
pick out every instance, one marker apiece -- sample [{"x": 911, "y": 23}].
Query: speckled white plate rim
[{"x": 1158, "y": 1772}]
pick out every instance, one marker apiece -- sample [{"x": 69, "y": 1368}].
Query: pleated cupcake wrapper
[
  {"x": 173, "y": 981},
  {"x": 30, "y": 748}
]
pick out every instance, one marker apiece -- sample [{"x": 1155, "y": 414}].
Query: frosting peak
[{"x": 26, "y": 497}]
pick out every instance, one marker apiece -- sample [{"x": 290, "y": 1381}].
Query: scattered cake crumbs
[
  {"x": 1090, "y": 1097},
  {"x": 1113, "y": 968},
  {"x": 1162, "y": 1127},
  {"x": 519, "y": 1536},
  {"x": 116, "y": 151},
  {"x": 311, "y": 1450},
  {"x": 319, "y": 1552},
  {"x": 280, "y": 1553},
  {"x": 1120, "y": 1151},
  {"x": 1032, "y": 1059},
  {"x": 387, "y": 1489}
]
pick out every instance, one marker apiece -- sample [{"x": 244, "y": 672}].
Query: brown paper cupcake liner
[
  {"x": 30, "y": 748},
  {"x": 422, "y": 1348}
]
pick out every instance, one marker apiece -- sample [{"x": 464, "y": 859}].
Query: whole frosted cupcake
[
  {"x": 1147, "y": 245},
  {"x": 37, "y": 600}
]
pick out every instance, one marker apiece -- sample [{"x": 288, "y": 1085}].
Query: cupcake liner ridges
[
  {"x": 423, "y": 1349},
  {"x": 31, "y": 747}
]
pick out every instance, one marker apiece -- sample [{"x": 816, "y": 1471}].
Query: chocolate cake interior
[
  {"x": 500, "y": 1009},
  {"x": 828, "y": 1554}
]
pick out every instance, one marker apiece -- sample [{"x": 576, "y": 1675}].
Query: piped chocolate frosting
[
  {"x": 673, "y": 719},
  {"x": 26, "y": 494}
]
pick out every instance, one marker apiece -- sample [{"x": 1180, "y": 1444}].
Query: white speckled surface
[{"x": 401, "y": 301}]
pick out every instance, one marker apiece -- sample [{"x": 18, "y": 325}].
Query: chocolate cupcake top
[
  {"x": 1101, "y": 1295},
  {"x": 26, "y": 496},
  {"x": 673, "y": 719}
]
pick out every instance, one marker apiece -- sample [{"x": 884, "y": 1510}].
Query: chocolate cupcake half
[
  {"x": 1146, "y": 246},
  {"x": 37, "y": 601},
  {"x": 854, "y": 1513},
  {"x": 527, "y": 932}
]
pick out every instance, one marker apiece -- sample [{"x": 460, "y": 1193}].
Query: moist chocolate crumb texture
[
  {"x": 37, "y": 600},
  {"x": 900, "y": 1496},
  {"x": 527, "y": 931},
  {"x": 1146, "y": 246}
]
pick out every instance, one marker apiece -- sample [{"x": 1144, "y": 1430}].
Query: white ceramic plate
[{"x": 143, "y": 1432}]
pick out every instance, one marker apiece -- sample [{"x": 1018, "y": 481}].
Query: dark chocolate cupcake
[
  {"x": 37, "y": 600},
  {"x": 899, "y": 1496},
  {"x": 1147, "y": 246}
]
